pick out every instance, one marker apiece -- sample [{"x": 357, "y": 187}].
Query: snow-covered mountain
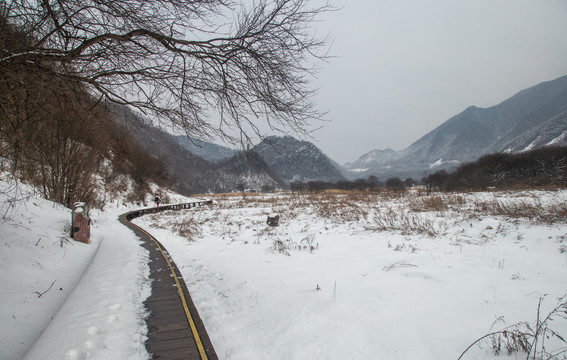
[
  {"x": 297, "y": 160},
  {"x": 191, "y": 173},
  {"x": 533, "y": 118},
  {"x": 366, "y": 161}
]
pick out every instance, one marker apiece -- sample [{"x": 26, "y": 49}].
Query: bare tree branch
[{"x": 177, "y": 59}]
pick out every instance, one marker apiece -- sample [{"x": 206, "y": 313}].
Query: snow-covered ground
[
  {"x": 62, "y": 299},
  {"x": 371, "y": 277},
  {"x": 368, "y": 278}
]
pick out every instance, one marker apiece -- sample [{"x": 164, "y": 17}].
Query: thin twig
[{"x": 40, "y": 294}]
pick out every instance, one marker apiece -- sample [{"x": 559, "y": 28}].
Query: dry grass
[
  {"x": 411, "y": 213},
  {"x": 532, "y": 340},
  {"x": 341, "y": 208},
  {"x": 187, "y": 225},
  {"x": 534, "y": 211},
  {"x": 438, "y": 203},
  {"x": 287, "y": 245},
  {"x": 406, "y": 223}
]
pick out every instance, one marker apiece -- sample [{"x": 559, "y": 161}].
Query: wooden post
[{"x": 81, "y": 223}]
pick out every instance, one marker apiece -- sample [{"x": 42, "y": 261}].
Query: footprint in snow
[{"x": 76, "y": 355}]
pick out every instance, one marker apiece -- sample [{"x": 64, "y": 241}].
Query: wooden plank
[
  {"x": 165, "y": 301},
  {"x": 167, "y": 312},
  {"x": 171, "y": 326},
  {"x": 177, "y": 354},
  {"x": 161, "y": 320},
  {"x": 172, "y": 344},
  {"x": 170, "y": 335}
]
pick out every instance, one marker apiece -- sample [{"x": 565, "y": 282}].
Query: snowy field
[
  {"x": 370, "y": 277},
  {"x": 341, "y": 277}
]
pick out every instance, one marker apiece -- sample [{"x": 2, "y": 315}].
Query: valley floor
[
  {"x": 369, "y": 277},
  {"x": 358, "y": 276}
]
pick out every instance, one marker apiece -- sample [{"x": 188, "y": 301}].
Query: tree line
[
  {"x": 531, "y": 169},
  {"x": 371, "y": 183}
]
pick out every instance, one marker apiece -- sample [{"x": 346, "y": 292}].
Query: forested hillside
[
  {"x": 539, "y": 168},
  {"x": 56, "y": 136}
]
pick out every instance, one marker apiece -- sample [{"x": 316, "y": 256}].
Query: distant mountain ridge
[
  {"x": 371, "y": 157},
  {"x": 532, "y": 118},
  {"x": 284, "y": 157},
  {"x": 297, "y": 160},
  {"x": 191, "y": 173}
]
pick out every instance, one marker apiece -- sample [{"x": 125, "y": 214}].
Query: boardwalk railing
[{"x": 188, "y": 205}]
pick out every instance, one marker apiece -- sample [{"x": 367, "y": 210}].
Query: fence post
[{"x": 81, "y": 223}]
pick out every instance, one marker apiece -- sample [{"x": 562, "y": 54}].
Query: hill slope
[
  {"x": 296, "y": 160},
  {"x": 190, "y": 173},
  {"x": 206, "y": 150}
]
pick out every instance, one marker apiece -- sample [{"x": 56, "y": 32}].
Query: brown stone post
[{"x": 81, "y": 223}]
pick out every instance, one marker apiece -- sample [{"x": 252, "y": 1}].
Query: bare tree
[
  {"x": 395, "y": 183},
  {"x": 176, "y": 60}
]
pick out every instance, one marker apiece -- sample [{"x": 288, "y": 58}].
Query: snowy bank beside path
[
  {"x": 39, "y": 268},
  {"x": 61, "y": 299},
  {"x": 104, "y": 317}
]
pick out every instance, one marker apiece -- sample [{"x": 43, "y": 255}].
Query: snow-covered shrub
[{"x": 285, "y": 246}]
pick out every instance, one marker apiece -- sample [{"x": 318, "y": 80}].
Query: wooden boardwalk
[{"x": 175, "y": 330}]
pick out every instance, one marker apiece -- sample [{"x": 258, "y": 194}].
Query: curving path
[{"x": 175, "y": 330}]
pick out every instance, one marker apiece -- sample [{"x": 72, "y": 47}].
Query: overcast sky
[{"x": 403, "y": 67}]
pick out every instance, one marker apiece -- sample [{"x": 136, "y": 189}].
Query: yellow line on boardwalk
[{"x": 183, "y": 301}]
